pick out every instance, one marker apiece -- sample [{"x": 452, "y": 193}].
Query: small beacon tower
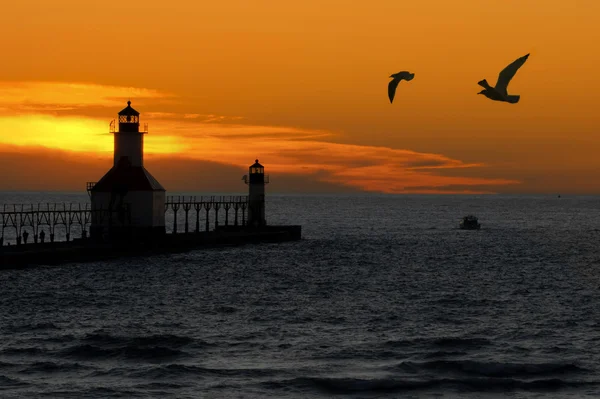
[
  {"x": 256, "y": 181},
  {"x": 134, "y": 199}
]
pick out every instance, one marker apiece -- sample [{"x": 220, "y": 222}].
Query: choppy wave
[
  {"x": 442, "y": 342},
  {"x": 493, "y": 369},
  {"x": 186, "y": 370},
  {"x": 91, "y": 352},
  {"x": 28, "y": 327},
  {"x": 443, "y": 354},
  {"x": 7, "y": 382},
  {"x": 52, "y": 367},
  {"x": 139, "y": 341},
  {"x": 95, "y": 392},
  {"x": 169, "y": 386},
  {"x": 103, "y": 346},
  {"x": 392, "y": 385},
  {"x": 22, "y": 351}
]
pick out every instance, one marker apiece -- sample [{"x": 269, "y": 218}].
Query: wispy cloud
[
  {"x": 196, "y": 118},
  {"x": 43, "y": 97},
  {"x": 27, "y": 119},
  {"x": 313, "y": 153}
]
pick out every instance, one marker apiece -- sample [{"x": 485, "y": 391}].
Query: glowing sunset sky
[{"x": 303, "y": 87}]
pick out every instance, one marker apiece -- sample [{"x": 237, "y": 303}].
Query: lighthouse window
[{"x": 128, "y": 119}]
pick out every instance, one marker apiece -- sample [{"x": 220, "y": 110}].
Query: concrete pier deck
[{"x": 20, "y": 256}]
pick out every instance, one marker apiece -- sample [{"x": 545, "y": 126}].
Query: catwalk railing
[
  {"x": 184, "y": 214},
  {"x": 53, "y": 222},
  {"x": 62, "y": 221}
]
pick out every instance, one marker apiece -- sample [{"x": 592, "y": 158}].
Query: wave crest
[{"x": 388, "y": 385}]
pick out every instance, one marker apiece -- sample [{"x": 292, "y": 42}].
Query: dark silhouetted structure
[
  {"x": 134, "y": 199},
  {"x": 470, "y": 222},
  {"x": 256, "y": 181}
]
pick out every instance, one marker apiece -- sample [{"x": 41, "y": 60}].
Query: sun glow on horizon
[
  {"x": 77, "y": 134},
  {"x": 73, "y": 134}
]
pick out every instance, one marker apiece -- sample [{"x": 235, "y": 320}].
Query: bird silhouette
[
  {"x": 394, "y": 82},
  {"x": 500, "y": 92}
]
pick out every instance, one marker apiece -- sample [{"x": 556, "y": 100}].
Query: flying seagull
[
  {"x": 394, "y": 83},
  {"x": 500, "y": 93}
]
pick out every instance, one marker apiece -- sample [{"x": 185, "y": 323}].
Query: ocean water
[{"x": 384, "y": 297}]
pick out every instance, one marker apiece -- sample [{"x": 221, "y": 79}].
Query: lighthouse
[
  {"x": 256, "y": 181},
  {"x": 128, "y": 200}
]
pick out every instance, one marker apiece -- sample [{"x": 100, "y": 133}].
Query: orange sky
[{"x": 302, "y": 86}]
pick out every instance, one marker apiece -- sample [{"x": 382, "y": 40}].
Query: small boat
[{"x": 470, "y": 222}]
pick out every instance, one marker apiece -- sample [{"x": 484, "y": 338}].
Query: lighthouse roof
[
  {"x": 128, "y": 110},
  {"x": 125, "y": 177},
  {"x": 256, "y": 165}
]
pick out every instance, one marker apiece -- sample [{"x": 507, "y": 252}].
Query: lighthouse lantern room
[{"x": 131, "y": 200}]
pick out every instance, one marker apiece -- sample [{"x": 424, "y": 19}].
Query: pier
[
  {"x": 72, "y": 221},
  {"x": 56, "y": 233},
  {"x": 196, "y": 222}
]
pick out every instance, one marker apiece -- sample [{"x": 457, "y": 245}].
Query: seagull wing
[
  {"x": 483, "y": 83},
  {"x": 398, "y": 77},
  {"x": 507, "y": 74},
  {"x": 392, "y": 88},
  {"x": 403, "y": 75}
]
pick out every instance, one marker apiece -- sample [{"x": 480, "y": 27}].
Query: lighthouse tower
[
  {"x": 128, "y": 200},
  {"x": 129, "y": 141},
  {"x": 256, "y": 181}
]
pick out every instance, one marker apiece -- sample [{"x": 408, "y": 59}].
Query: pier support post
[
  {"x": 197, "y": 207},
  {"x": 175, "y": 207},
  {"x": 207, "y": 206},
  {"x": 186, "y": 209},
  {"x": 227, "y": 206},
  {"x": 217, "y": 206},
  {"x": 244, "y": 205}
]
